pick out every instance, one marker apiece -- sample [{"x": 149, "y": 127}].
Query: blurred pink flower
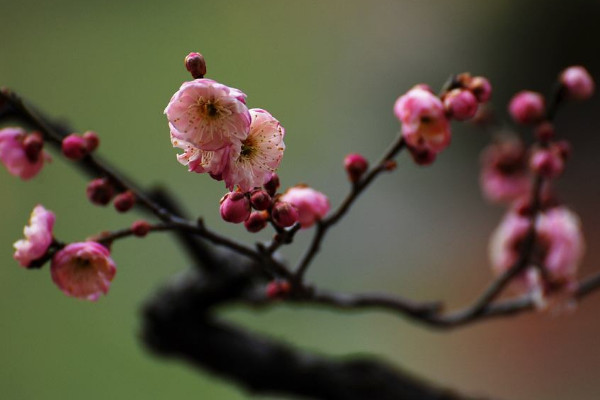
[
  {"x": 504, "y": 174},
  {"x": 577, "y": 83},
  {"x": 559, "y": 248},
  {"x": 424, "y": 122},
  {"x": 312, "y": 205},
  {"x": 83, "y": 270},
  {"x": 38, "y": 236},
  {"x": 15, "y": 157},
  {"x": 208, "y": 115},
  {"x": 252, "y": 163}
]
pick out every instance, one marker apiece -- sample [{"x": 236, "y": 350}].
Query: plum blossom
[
  {"x": 208, "y": 114},
  {"x": 253, "y": 161},
  {"x": 201, "y": 161},
  {"x": 16, "y": 157},
  {"x": 312, "y": 205},
  {"x": 38, "y": 236},
  {"x": 577, "y": 83},
  {"x": 83, "y": 270},
  {"x": 424, "y": 122},
  {"x": 504, "y": 174},
  {"x": 559, "y": 247}
]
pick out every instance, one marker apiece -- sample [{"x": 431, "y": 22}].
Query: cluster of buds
[
  {"x": 508, "y": 170},
  {"x": 426, "y": 117},
  {"x": 298, "y": 204},
  {"x": 75, "y": 147}
]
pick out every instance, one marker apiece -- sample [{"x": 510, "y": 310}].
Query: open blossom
[
  {"x": 504, "y": 174},
  {"x": 559, "y": 246},
  {"x": 15, "y": 157},
  {"x": 312, "y": 205},
  {"x": 201, "y": 161},
  {"x": 38, "y": 236},
  {"x": 424, "y": 122},
  {"x": 83, "y": 270},
  {"x": 208, "y": 114},
  {"x": 252, "y": 163}
]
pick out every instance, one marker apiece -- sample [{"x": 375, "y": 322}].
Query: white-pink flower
[
  {"x": 38, "y": 236},
  {"x": 83, "y": 270},
  {"x": 200, "y": 161},
  {"x": 253, "y": 161},
  {"x": 208, "y": 114},
  {"x": 559, "y": 246},
  {"x": 311, "y": 204},
  {"x": 424, "y": 122},
  {"x": 14, "y": 156}
]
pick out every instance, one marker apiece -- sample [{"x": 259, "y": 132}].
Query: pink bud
[
  {"x": 544, "y": 132},
  {"x": 74, "y": 147},
  {"x": 527, "y": 107},
  {"x": 278, "y": 289},
  {"x": 546, "y": 163},
  {"x": 260, "y": 200},
  {"x": 460, "y": 104},
  {"x": 481, "y": 88},
  {"x": 140, "y": 228},
  {"x": 33, "y": 145},
  {"x": 284, "y": 214},
  {"x": 577, "y": 83},
  {"x": 356, "y": 165},
  {"x": 124, "y": 201},
  {"x": 235, "y": 207},
  {"x": 272, "y": 184},
  {"x": 99, "y": 191},
  {"x": 195, "y": 64},
  {"x": 83, "y": 270},
  {"x": 257, "y": 221},
  {"x": 92, "y": 141},
  {"x": 311, "y": 204}
]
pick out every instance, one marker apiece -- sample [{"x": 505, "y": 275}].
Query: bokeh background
[{"x": 330, "y": 72}]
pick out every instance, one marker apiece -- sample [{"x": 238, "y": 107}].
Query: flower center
[
  {"x": 209, "y": 108},
  {"x": 247, "y": 150}
]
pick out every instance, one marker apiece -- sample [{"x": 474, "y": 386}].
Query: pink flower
[
  {"x": 311, "y": 204},
  {"x": 577, "y": 83},
  {"x": 252, "y": 163},
  {"x": 504, "y": 175},
  {"x": 559, "y": 247},
  {"x": 200, "y": 161},
  {"x": 208, "y": 115},
  {"x": 83, "y": 270},
  {"x": 38, "y": 236},
  {"x": 15, "y": 155},
  {"x": 424, "y": 123}
]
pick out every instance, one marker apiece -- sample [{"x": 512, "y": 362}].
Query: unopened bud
[
  {"x": 564, "y": 148},
  {"x": 260, "y": 200},
  {"x": 256, "y": 221},
  {"x": 547, "y": 163},
  {"x": 195, "y": 64},
  {"x": 74, "y": 147},
  {"x": 481, "y": 88},
  {"x": 544, "y": 132},
  {"x": 278, "y": 289},
  {"x": 140, "y": 228},
  {"x": 99, "y": 191},
  {"x": 272, "y": 185},
  {"x": 124, "y": 201},
  {"x": 356, "y": 165},
  {"x": 33, "y": 145},
  {"x": 577, "y": 83},
  {"x": 92, "y": 141},
  {"x": 527, "y": 107},
  {"x": 235, "y": 207},
  {"x": 460, "y": 104},
  {"x": 284, "y": 214}
]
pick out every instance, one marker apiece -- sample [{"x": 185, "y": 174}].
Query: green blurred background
[{"x": 330, "y": 72}]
